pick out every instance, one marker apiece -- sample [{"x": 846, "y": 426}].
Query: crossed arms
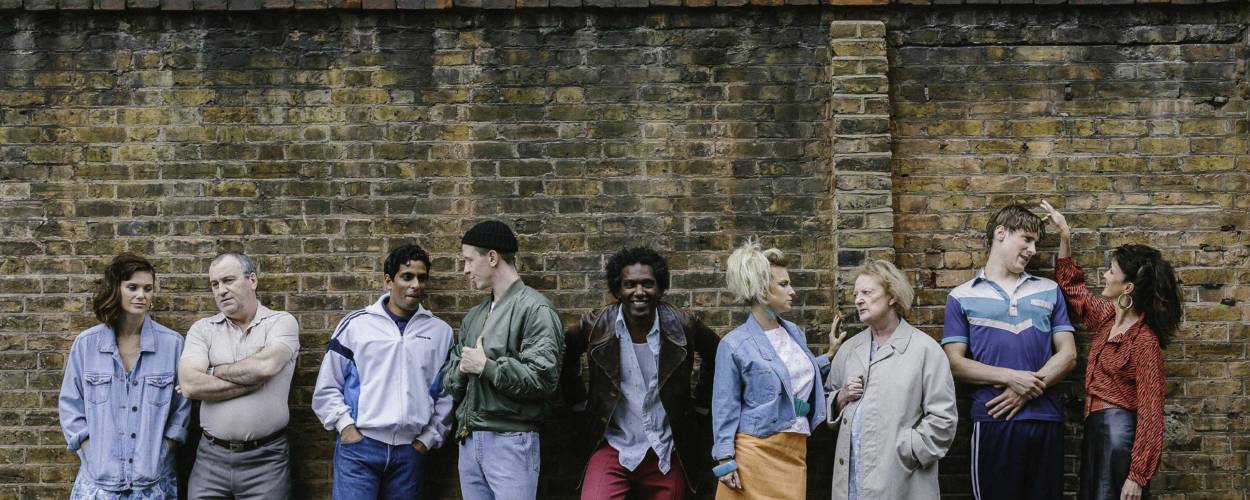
[{"x": 231, "y": 380}]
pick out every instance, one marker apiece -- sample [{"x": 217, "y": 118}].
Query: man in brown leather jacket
[{"x": 643, "y": 429}]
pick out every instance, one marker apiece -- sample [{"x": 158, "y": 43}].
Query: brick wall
[
  {"x": 1133, "y": 123},
  {"x": 318, "y": 140}
]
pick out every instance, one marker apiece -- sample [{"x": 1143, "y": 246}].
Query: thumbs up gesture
[{"x": 473, "y": 359}]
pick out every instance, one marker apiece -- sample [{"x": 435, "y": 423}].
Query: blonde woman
[
  {"x": 766, "y": 396},
  {"x": 892, "y": 394}
]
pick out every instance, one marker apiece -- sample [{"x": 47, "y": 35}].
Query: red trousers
[{"x": 606, "y": 479}]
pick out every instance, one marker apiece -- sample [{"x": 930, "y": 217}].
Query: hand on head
[{"x": 1056, "y": 219}]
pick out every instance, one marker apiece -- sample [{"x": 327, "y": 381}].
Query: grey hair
[{"x": 249, "y": 265}]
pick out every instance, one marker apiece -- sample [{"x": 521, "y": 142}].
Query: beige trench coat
[{"x": 908, "y": 418}]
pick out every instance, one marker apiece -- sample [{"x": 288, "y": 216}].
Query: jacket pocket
[
  {"x": 97, "y": 387},
  {"x": 903, "y": 449},
  {"x": 761, "y": 387},
  {"x": 158, "y": 389},
  {"x": 493, "y": 405}
]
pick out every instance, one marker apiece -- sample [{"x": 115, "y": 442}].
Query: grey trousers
[{"x": 260, "y": 474}]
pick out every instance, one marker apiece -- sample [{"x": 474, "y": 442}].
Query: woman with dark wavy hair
[
  {"x": 119, "y": 411},
  {"x": 1133, "y": 320}
]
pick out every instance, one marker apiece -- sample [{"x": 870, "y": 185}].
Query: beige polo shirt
[{"x": 263, "y": 411}]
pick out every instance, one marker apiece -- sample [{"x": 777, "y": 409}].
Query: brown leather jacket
[{"x": 682, "y": 335}]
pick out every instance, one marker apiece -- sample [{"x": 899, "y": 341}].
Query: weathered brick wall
[
  {"x": 1148, "y": 144},
  {"x": 317, "y": 140}
]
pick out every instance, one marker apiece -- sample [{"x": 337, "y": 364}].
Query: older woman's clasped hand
[{"x": 852, "y": 391}]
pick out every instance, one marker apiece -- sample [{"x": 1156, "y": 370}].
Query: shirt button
[
  {"x": 132, "y": 435},
  {"x": 134, "y": 408},
  {"x": 841, "y": 462},
  {"x": 134, "y": 382},
  {"x": 130, "y": 460}
]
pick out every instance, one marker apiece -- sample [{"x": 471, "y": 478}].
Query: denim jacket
[
  {"x": 751, "y": 393},
  {"x": 127, "y": 416}
]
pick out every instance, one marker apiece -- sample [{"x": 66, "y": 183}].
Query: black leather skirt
[{"x": 1106, "y": 453}]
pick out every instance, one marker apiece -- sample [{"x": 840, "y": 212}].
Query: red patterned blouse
[{"x": 1126, "y": 371}]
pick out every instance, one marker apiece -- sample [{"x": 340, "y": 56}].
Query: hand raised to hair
[{"x": 1056, "y": 219}]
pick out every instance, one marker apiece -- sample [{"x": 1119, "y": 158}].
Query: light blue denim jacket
[
  {"x": 751, "y": 393},
  {"x": 127, "y": 416}
]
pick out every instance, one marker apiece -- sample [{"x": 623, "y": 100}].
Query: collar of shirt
[
  {"x": 653, "y": 336},
  {"x": 147, "y": 338},
  {"x": 395, "y": 317},
  {"x": 262, "y": 312},
  {"x": 381, "y": 306},
  {"x": 981, "y": 278},
  {"x": 778, "y": 333},
  {"x": 512, "y": 290}
]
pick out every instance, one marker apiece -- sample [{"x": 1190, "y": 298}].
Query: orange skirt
[{"x": 772, "y": 468}]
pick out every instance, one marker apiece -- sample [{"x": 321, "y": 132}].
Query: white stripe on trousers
[{"x": 976, "y": 460}]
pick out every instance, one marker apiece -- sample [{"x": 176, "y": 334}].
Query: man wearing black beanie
[{"x": 502, "y": 371}]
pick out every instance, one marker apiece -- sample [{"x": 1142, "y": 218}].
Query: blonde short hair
[
  {"x": 893, "y": 283},
  {"x": 748, "y": 272}
]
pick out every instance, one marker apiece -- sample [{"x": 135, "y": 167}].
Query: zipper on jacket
[
  {"x": 470, "y": 385},
  {"x": 403, "y": 363}
]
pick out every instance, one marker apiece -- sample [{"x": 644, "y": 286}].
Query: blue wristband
[{"x": 724, "y": 468}]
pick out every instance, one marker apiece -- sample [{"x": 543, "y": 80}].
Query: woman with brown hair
[
  {"x": 1132, "y": 320},
  {"x": 119, "y": 411}
]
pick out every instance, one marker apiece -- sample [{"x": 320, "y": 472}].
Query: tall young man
[
  {"x": 380, "y": 386},
  {"x": 643, "y": 431},
  {"x": 502, "y": 371},
  {"x": 1007, "y": 333}
]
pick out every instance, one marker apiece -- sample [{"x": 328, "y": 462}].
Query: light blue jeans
[{"x": 499, "y": 466}]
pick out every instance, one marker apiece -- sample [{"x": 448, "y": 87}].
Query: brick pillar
[{"x": 863, "y": 225}]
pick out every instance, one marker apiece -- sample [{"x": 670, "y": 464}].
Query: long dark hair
[
  {"x": 1156, "y": 293},
  {"x": 107, "y": 303}
]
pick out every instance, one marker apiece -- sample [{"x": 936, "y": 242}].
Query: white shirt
[
  {"x": 802, "y": 372},
  {"x": 639, "y": 422}
]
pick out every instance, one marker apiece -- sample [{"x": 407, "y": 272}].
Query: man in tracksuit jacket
[
  {"x": 380, "y": 386},
  {"x": 503, "y": 371}
]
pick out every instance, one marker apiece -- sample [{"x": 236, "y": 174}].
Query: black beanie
[{"x": 491, "y": 235}]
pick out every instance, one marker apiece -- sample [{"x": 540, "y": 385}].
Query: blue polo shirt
[{"x": 1010, "y": 331}]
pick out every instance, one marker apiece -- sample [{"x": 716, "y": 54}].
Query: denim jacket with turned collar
[
  {"x": 751, "y": 393},
  {"x": 126, "y": 415}
]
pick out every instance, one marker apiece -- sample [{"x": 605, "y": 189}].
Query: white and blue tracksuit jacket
[{"x": 384, "y": 381}]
